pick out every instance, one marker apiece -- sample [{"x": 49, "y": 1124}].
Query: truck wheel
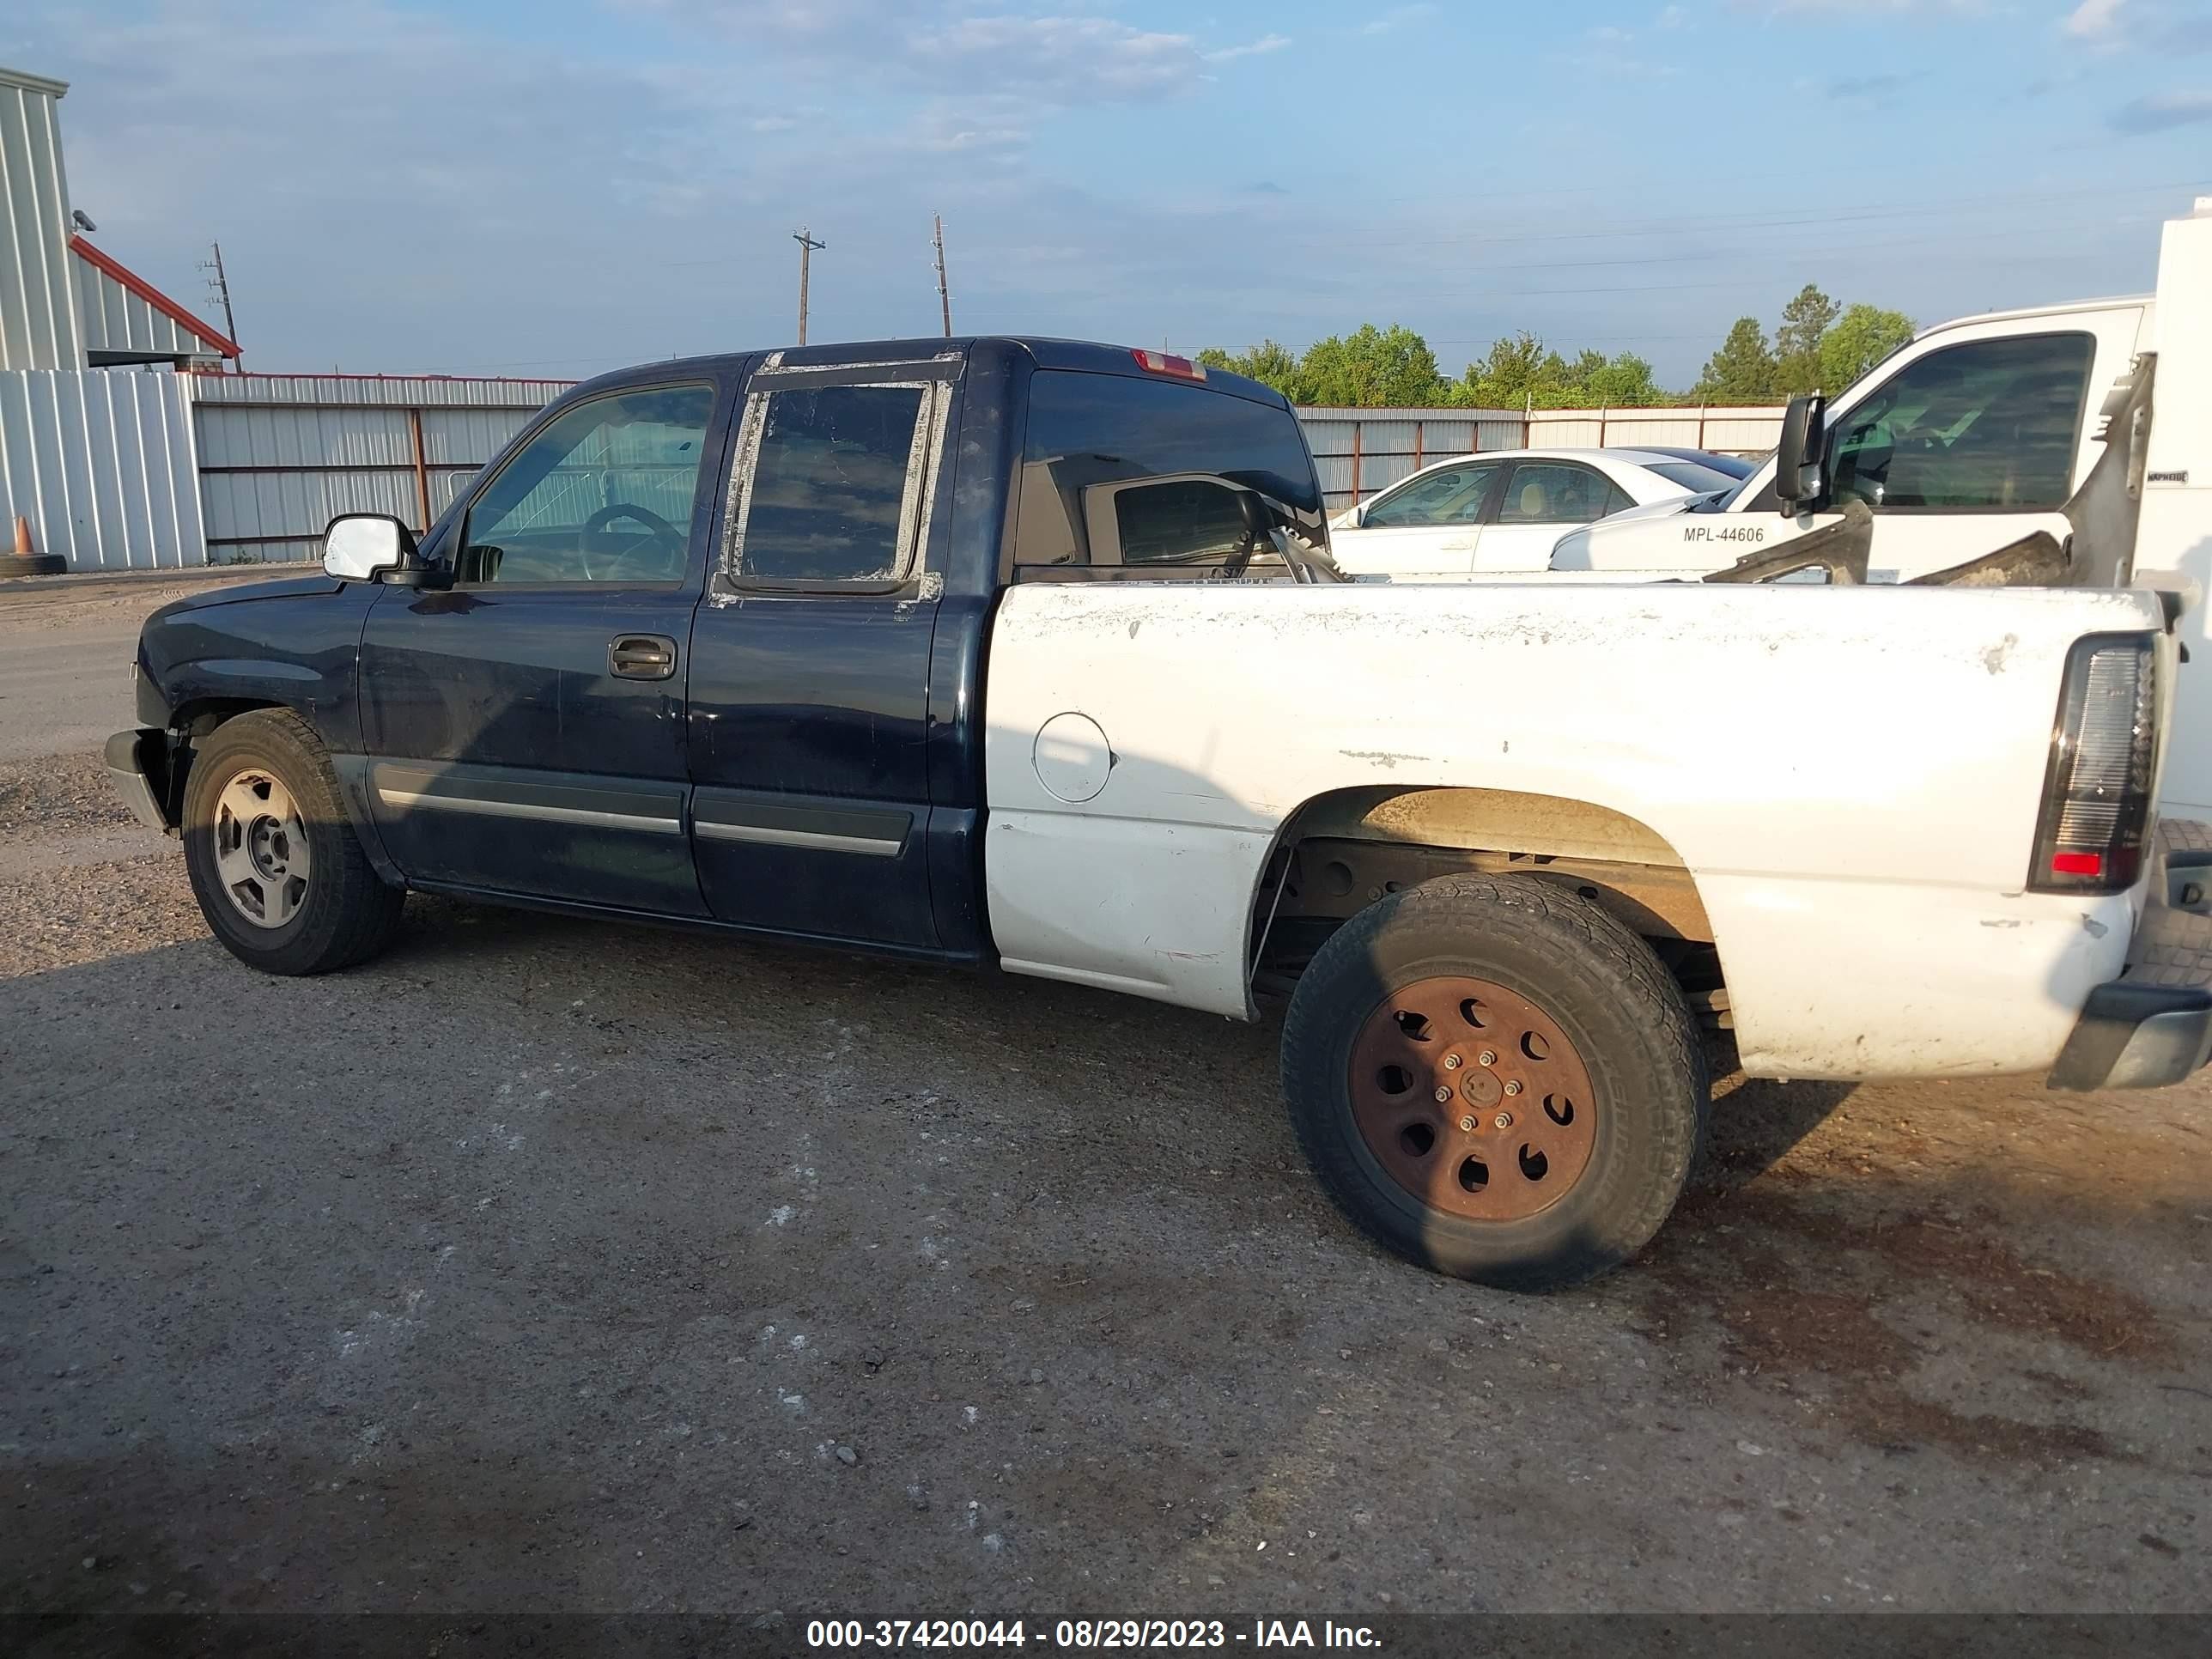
[
  {"x": 278, "y": 870},
  {"x": 1497, "y": 1080}
]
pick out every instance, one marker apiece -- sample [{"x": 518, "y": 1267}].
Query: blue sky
[{"x": 560, "y": 187}]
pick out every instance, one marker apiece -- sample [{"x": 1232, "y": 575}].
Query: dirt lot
[{"x": 553, "y": 1265}]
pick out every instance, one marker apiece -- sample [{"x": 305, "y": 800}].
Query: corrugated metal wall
[
  {"x": 38, "y": 318},
  {"x": 103, "y": 464},
  {"x": 1359, "y": 450},
  {"x": 111, "y": 318},
  {"x": 283, "y": 454}
]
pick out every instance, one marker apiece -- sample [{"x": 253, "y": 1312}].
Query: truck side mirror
[
  {"x": 360, "y": 546},
  {"x": 1800, "y": 459},
  {"x": 1258, "y": 519}
]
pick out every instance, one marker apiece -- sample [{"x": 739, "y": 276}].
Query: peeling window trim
[{"x": 917, "y": 499}]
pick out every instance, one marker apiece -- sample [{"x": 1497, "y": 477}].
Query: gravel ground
[{"x": 559, "y": 1266}]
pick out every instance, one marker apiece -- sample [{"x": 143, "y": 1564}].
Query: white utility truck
[{"x": 1969, "y": 442}]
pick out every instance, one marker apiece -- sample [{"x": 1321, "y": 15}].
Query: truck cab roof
[{"x": 1083, "y": 357}]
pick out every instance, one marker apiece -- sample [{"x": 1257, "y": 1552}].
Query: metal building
[
  {"x": 99, "y": 462},
  {"x": 38, "y": 311}
]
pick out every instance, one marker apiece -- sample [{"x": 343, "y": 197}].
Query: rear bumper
[
  {"x": 2137, "y": 1036},
  {"x": 139, "y": 767},
  {"x": 2153, "y": 1025}
]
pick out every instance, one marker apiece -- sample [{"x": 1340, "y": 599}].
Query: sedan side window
[
  {"x": 607, "y": 492},
  {"x": 1990, "y": 424},
  {"x": 1451, "y": 495},
  {"x": 1551, "y": 492}
]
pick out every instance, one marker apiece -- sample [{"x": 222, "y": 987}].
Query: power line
[{"x": 1765, "y": 221}]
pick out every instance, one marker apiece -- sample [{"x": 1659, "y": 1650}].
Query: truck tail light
[
  {"x": 2096, "y": 816},
  {"x": 1159, "y": 362}
]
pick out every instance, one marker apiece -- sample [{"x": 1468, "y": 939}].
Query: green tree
[
  {"x": 1743, "y": 371},
  {"x": 1519, "y": 370},
  {"x": 1508, "y": 377},
  {"x": 1857, "y": 341},
  {"x": 1805, "y": 322},
  {"x": 1273, "y": 364},
  {"x": 1622, "y": 381},
  {"x": 1373, "y": 368}
]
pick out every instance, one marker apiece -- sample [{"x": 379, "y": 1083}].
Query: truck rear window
[{"x": 1102, "y": 429}]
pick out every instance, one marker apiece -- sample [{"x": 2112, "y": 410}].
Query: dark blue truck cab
[{"x": 705, "y": 644}]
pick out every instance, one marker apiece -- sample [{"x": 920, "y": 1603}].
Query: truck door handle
[{"x": 641, "y": 656}]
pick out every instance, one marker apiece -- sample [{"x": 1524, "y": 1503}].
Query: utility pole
[
  {"x": 943, "y": 296},
  {"x": 219, "y": 285},
  {"x": 806, "y": 247}
]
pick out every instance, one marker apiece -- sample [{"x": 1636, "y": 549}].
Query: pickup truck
[{"x": 959, "y": 651}]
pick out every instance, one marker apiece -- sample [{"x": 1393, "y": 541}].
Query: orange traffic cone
[{"x": 24, "y": 560}]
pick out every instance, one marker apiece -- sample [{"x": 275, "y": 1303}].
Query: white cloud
[
  {"x": 1671, "y": 18},
  {"x": 1398, "y": 17},
  {"x": 1050, "y": 60},
  {"x": 1074, "y": 59},
  {"x": 1264, "y": 43},
  {"x": 2093, "y": 19}
]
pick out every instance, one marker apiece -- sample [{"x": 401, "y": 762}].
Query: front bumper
[{"x": 139, "y": 767}]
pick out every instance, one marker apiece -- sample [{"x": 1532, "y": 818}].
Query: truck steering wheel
[{"x": 663, "y": 538}]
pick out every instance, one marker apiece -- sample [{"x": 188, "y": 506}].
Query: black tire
[
  {"x": 1603, "y": 988},
  {"x": 346, "y": 914}
]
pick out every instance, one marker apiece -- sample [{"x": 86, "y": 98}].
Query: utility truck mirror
[{"x": 1800, "y": 458}]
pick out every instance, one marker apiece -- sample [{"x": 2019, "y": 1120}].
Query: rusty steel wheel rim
[{"x": 1473, "y": 1099}]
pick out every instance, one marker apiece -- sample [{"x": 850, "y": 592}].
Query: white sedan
[{"x": 1503, "y": 510}]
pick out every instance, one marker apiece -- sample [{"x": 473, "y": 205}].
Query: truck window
[
  {"x": 1451, "y": 495},
  {"x": 604, "y": 493},
  {"x": 1988, "y": 425},
  {"x": 827, "y": 484},
  {"x": 1189, "y": 521},
  {"x": 1087, "y": 428}
]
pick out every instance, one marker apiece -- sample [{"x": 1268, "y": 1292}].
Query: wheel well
[
  {"x": 200, "y": 716},
  {"x": 1344, "y": 850},
  {"x": 191, "y": 722}
]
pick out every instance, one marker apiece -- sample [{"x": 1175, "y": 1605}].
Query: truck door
[
  {"x": 811, "y": 658},
  {"x": 524, "y": 728}
]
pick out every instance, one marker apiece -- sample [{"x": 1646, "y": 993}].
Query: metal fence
[
  {"x": 1358, "y": 452},
  {"x": 101, "y": 463},
  {"x": 283, "y": 454}
]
